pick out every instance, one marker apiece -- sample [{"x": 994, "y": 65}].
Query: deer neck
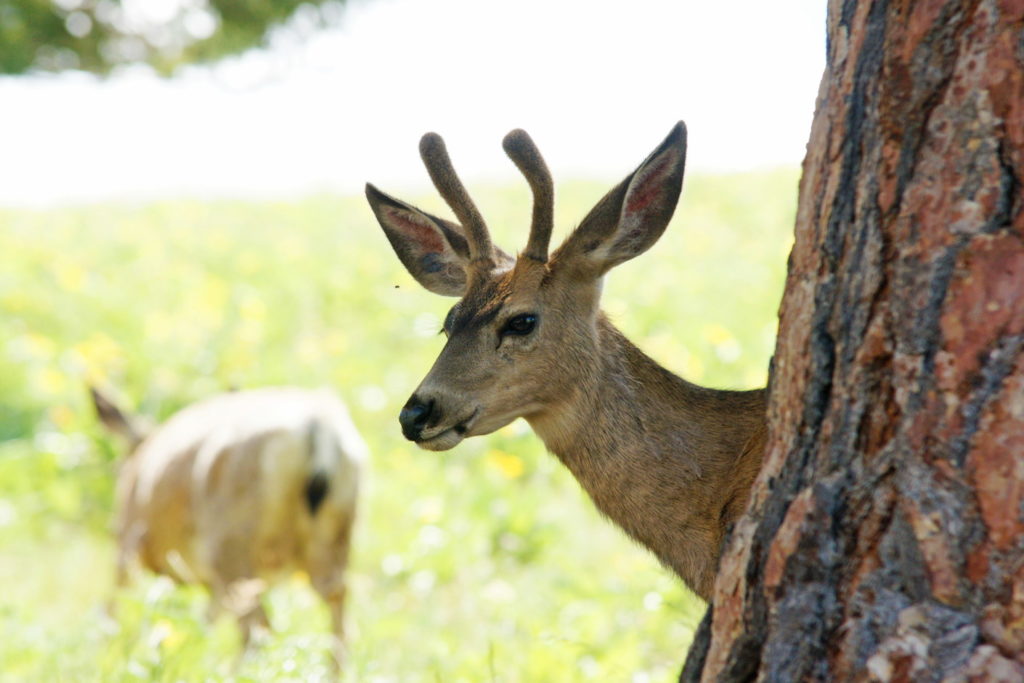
[
  {"x": 626, "y": 407},
  {"x": 656, "y": 453}
]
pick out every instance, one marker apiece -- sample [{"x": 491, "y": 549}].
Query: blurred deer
[
  {"x": 238, "y": 489},
  {"x": 670, "y": 462}
]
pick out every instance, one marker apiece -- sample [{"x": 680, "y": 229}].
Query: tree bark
[{"x": 885, "y": 535}]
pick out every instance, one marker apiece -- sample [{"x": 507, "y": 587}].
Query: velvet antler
[
  {"x": 442, "y": 173},
  {"x": 527, "y": 158}
]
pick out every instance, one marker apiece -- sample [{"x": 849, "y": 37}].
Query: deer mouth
[{"x": 447, "y": 437}]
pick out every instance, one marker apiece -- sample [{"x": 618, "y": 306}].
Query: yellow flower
[
  {"x": 509, "y": 465},
  {"x": 62, "y": 416},
  {"x": 70, "y": 276},
  {"x": 716, "y": 334},
  {"x": 51, "y": 381},
  {"x": 252, "y": 309},
  {"x": 167, "y": 635},
  {"x": 37, "y": 345},
  {"x": 212, "y": 297},
  {"x": 727, "y": 348}
]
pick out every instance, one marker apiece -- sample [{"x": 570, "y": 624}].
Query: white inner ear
[
  {"x": 647, "y": 187},
  {"x": 419, "y": 230},
  {"x": 424, "y": 250},
  {"x": 645, "y": 197}
]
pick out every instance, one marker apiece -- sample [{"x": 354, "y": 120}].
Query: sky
[{"x": 597, "y": 84}]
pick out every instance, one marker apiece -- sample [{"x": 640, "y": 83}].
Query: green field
[{"x": 484, "y": 563}]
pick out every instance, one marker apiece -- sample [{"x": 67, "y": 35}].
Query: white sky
[{"x": 597, "y": 84}]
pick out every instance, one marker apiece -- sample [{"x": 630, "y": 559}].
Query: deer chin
[
  {"x": 447, "y": 438},
  {"x": 442, "y": 442}
]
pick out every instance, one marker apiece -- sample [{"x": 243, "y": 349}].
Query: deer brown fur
[
  {"x": 238, "y": 489},
  {"x": 669, "y": 461}
]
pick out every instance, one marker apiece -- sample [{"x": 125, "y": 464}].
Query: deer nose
[{"x": 414, "y": 417}]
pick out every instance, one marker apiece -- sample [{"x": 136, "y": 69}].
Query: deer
[
  {"x": 234, "y": 491},
  {"x": 670, "y": 462}
]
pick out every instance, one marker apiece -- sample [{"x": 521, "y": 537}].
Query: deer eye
[{"x": 520, "y": 325}]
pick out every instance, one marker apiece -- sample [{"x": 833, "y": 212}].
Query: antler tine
[
  {"x": 442, "y": 173},
  {"x": 520, "y": 148}
]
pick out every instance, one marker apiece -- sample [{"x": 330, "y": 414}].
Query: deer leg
[
  {"x": 333, "y": 593},
  {"x": 243, "y": 599},
  {"x": 120, "y": 581},
  {"x": 327, "y": 564},
  {"x": 236, "y": 588},
  {"x": 253, "y": 622},
  {"x": 128, "y": 549}
]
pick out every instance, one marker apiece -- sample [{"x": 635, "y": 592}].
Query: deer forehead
[{"x": 501, "y": 292}]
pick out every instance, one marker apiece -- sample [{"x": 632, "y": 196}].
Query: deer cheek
[{"x": 513, "y": 347}]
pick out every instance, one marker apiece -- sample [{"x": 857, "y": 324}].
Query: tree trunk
[{"x": 885, "y": 536}]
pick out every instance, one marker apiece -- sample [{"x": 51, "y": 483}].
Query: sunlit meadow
[{"x": 484, "y": 563}]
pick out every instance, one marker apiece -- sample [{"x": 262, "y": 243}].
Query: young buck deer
[
  {"x": 670, "y": 462},
  {"x": 237, "y": 489}
]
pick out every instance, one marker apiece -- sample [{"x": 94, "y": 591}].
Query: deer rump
[{"x": 244, "y": 486}]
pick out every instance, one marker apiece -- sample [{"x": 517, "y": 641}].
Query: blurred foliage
[
  {"x": 99, "y": 35},
  {"x": 484, "y": 563}
]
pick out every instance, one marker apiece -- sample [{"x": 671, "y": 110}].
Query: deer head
[{"x": 524, "y": 330}]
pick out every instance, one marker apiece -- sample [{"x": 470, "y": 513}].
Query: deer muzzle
[
  {"x": 415, "y": 416},
  {"x": 431, "y": 427}
]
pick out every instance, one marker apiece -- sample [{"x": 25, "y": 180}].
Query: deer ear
[
  {"x": 114, "y": 419},
  {"x": 630, "y": 218},
  {"x": 433, "y": 250}
]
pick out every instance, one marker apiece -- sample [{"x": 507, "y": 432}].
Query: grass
[{"x": 485, "y": 563}]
